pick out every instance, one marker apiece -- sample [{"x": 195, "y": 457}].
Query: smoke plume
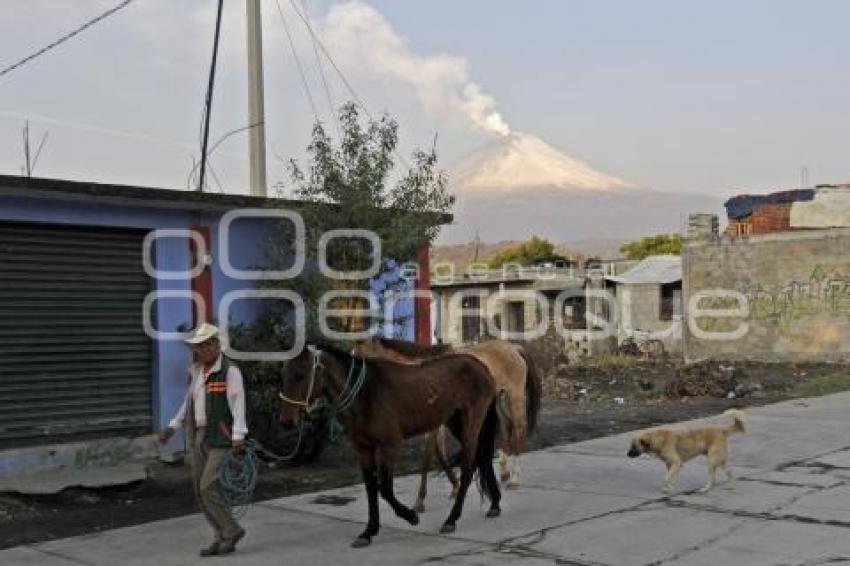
[{"x": 361, "y": 37}]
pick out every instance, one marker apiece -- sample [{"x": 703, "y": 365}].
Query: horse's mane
[
  {"x": 335, "y": 351},
  {"x": 413, "y": 349}
]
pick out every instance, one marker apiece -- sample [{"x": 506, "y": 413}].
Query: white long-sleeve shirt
[{"x": 235, "y": 398}]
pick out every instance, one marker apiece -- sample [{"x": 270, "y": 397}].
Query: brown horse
[
  {"x": 381, "y": 402},
  {"x": 513, "y": 373}
]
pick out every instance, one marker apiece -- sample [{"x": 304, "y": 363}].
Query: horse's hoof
[
  {"x": 493, "y": 512},
  {"x": 513, "y": 484},
  {"x": 413, "y": 518},
  {"x": 505, "y": 478},
  {"x": 447, "y": 528},
  {"x": 361, "y": 542},
  {"x": 419, "y": 507}
]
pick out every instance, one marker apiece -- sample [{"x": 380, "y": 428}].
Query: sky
[{"x": 713, "y": 97}]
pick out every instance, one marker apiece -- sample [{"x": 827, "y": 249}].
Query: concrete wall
[
  {"x": 450, "y": 316},
  {"x": 640, "y": 309},
  {"x": 796, "y": 290}
]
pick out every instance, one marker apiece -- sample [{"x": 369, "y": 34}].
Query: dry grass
[
  {"x": 613, "y": 361},
  {"x": 823, "y": 385}
]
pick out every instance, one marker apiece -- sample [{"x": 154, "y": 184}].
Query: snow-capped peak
[{"x": 522, "y": 160}]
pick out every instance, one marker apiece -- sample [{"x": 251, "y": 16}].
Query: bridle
[
  {"x": 314, "y": 370},
  {"x": 347, "y": 395}
]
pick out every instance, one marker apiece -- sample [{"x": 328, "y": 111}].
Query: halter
[
  {"x": 346, "y": 397},
  {"x": 308, "y": 407}
]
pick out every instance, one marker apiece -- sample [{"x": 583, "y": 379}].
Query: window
[
  {"x": 671, "y": 301},
  {"x": 471, "y": 321},
  {"x": 515, "y": 316}
]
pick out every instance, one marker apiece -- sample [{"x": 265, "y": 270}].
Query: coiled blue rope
[
  {"x": 237, "y": 473},
  {"x": 237, "y": 478}
]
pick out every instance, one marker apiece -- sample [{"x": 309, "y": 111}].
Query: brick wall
[
  {"x": 797, "y": 289},
  {"x": 770, "y": 217}
]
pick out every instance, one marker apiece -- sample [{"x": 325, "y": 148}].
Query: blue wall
[
  {"x": 249, "y": 249},
  {"x": 170, "y": 358}
]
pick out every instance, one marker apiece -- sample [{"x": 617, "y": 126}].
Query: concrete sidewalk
[{"x": 583, "y": 503}]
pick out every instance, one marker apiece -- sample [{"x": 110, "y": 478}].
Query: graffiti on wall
[
  {"x": 105, "y": 454},
  {"x": 822, "y": 294}
]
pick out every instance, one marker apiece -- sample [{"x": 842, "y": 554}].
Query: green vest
[{"x": 219, "y": 417}]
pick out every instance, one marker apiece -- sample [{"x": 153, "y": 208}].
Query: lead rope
[
  {"x": 237, "y": 474},
  {"x": 346, "y": 400}
]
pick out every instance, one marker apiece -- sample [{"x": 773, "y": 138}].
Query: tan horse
[{"x": 515, "y": 377}]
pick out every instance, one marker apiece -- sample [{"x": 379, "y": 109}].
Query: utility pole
[{"x": 256, "y": 112}]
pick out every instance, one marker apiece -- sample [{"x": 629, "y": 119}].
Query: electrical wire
[
  {"x": 328, "y": 95},
  {"x": 306, "y": 86},
  {"x": 341, "y": 75},
  {"x": 209, "y": 98},
  {"x": 64, "y": 38}
]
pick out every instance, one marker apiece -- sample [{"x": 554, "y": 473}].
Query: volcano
[
  {"x": 523, "y": 160},
  {"x": 518, "y": 186}
]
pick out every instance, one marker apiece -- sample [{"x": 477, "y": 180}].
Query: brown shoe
[
  {"x": 228, "y": 545},
  {"x": 212, "y": 550}
]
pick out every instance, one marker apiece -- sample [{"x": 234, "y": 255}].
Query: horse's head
[{"x": 299, "y": 393}]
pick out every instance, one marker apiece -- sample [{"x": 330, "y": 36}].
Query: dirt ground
[{"x": 584, "y": 402}]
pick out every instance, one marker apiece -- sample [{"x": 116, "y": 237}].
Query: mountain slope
[
  {"x": 519, "y": 186},
  {"x": 519, "y": 160}
]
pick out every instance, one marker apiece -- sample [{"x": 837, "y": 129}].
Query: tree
[
  {"x": 349, "y": 187},
  {"x": 653, "y": 245},
  {"x": 532, "y": 252},
  {"x": 345, "y": 185}
]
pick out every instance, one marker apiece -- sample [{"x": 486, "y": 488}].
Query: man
[{"x": 214, "y": 415}]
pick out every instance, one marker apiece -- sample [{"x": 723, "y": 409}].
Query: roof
[
  {"x": 62, "y": 189},
  {"x": 654, "y": 269},
  {"x": 743, "y": 205},
  {"x": 131, "y": 195},
  {"x": 539, "y": 279}
]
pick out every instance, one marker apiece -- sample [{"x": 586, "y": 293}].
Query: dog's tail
[{"x": 739, "y": 422}]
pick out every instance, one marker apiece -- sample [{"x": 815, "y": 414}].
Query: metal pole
[
  {"x": 256, "y": 112},
  {"x": 208, "y": 107}
]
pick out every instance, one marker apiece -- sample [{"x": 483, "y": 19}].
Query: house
[
  {"x": 515, "y": 302},
  {"x": 95, "y": 280},
  {"x": 824, "y": 206},
  {"x": 649, "y": 301}
]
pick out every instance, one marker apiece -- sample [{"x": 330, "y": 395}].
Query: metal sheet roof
[{"x": 654, "y": 269}]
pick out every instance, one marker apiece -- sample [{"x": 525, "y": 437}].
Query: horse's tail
[
  {"x": 533, "y": 390},
  {"x": 484, "y": 453}
]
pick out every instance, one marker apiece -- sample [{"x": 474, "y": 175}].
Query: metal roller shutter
[{"x": 74, "y": 359}]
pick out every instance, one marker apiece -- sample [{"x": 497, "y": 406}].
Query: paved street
[{"x": 582, "y": 503}]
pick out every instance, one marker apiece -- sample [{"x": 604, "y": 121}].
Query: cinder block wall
[
  {"x": 797, "y": 289},
  {"x": 640, "y": 309}
]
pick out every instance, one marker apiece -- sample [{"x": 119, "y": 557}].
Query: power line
[
  {"x": 339, "y": 72},
  {"x": 208, "y": 105},
  {"x": 331, "y": 104},
  {"x": 218, "y": 142},
  {"x": 64, "y": 38},
  {"x": 298, "y": 62}
]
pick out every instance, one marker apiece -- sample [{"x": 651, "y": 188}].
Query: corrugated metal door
[{"x": 74, "y": 359}]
